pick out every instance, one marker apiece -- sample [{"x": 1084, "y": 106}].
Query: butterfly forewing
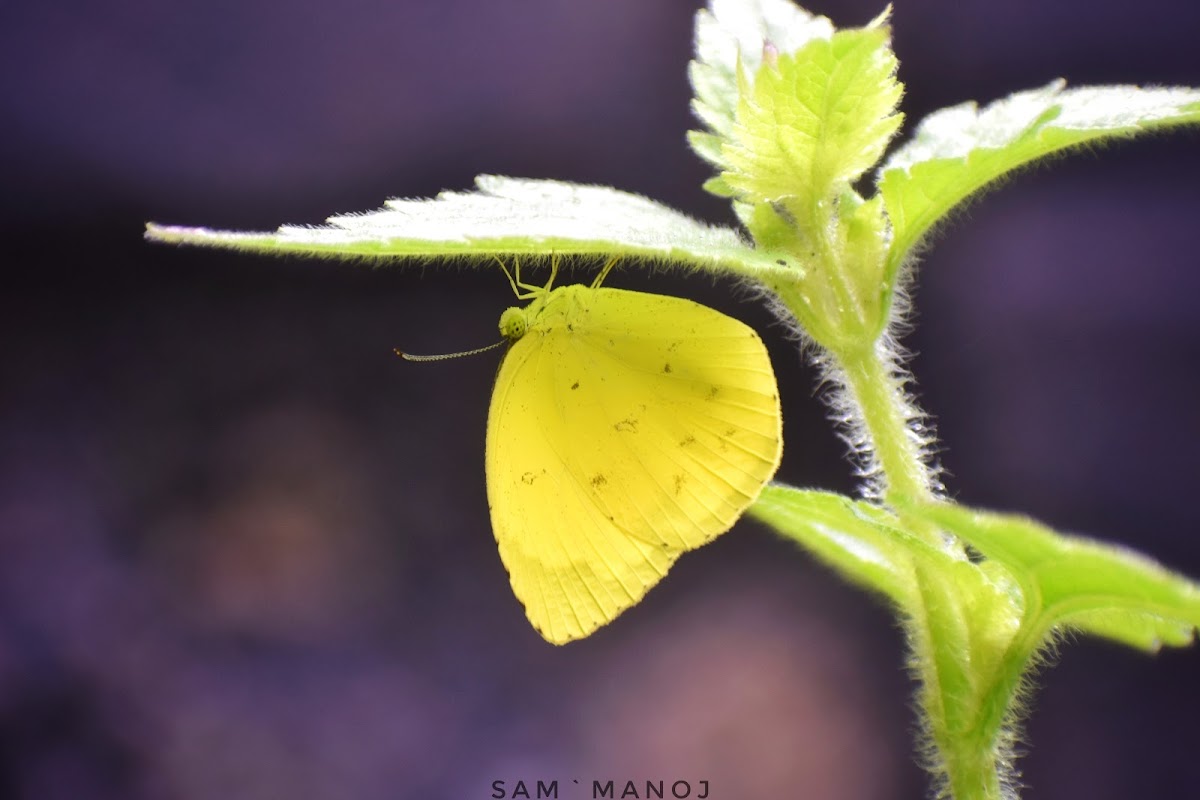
[{"x": 625, "y": 428}]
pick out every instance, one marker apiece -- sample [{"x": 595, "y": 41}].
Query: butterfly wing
[{"x": 625, "y": 429}]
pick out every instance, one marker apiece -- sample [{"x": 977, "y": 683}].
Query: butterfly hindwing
[{"x": 625, "y": 428}]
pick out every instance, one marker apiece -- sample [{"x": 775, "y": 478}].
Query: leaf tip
[
  {"x": 166, "y": 234},
  {"x": 882, "y": 20}
]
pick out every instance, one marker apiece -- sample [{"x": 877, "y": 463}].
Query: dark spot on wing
[
  {"x": 667, "y": 368},
  {"x": 528, "y": 478},
  {"x": 678, "y": 484},
  {"x": 628, "y": 425},
  {"x": 575, "y": 385},
  {"x": 598, "y": 480},
  {"x": 689, "y": 439},
  {"x": 713, "y": 392}
]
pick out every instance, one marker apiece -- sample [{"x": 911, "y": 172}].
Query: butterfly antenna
[
  {"x": 612, "y": 262},
  {"x": 445, "y": 356}
]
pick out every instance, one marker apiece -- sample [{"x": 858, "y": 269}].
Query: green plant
[{"x": 795, "y": 114}]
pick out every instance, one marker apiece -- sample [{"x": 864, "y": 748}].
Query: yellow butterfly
[{"x": 625, "y": 428}]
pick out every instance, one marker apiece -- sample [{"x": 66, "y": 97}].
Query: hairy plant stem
[
  {"x": 885, "y": 411},
  {"x": 967, "y": 688},
  {"x": 965, "y": 720},
  {"x": 970, "y": 747},
  {"x": 976, "y": 776},
  {"x": 966, "y": 696}
]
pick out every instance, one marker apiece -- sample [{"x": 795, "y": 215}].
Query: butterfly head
[{"x": 514, "y": 322}]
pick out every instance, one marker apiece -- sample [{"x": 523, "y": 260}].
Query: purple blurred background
[{"x": 244, "y": 550}]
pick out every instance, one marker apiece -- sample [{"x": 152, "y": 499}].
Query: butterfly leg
[{"x": 612, "y": 262}]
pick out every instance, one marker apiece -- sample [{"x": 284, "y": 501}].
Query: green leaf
[
  {"x": 1079, "y": 583},
  {"x": 870, "y": 546},
  {"x": 707, "y": 145},
  {"x": 771, "y": 230},
  {"x": 956, "y": 151},
  {"x": 1140, "y": 631},
  {"x": 507, "y": 216},
  {"x": 962, "y": 618},
  {"x": 732, "y": 33},
  {"x": 856, "y": 538},
  {"x": 814, "y": 120}
]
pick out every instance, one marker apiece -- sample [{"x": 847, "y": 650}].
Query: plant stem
[
  {"x": 978, "y": 759},
  {"x": 894, "y": 448},
  {"x": 974, "y": 778},
  {"x": 965, "y": 721},
  {"x": 968, "y": 687}
]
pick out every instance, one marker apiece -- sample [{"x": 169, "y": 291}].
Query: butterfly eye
[{"x": 513, "y": 324}]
